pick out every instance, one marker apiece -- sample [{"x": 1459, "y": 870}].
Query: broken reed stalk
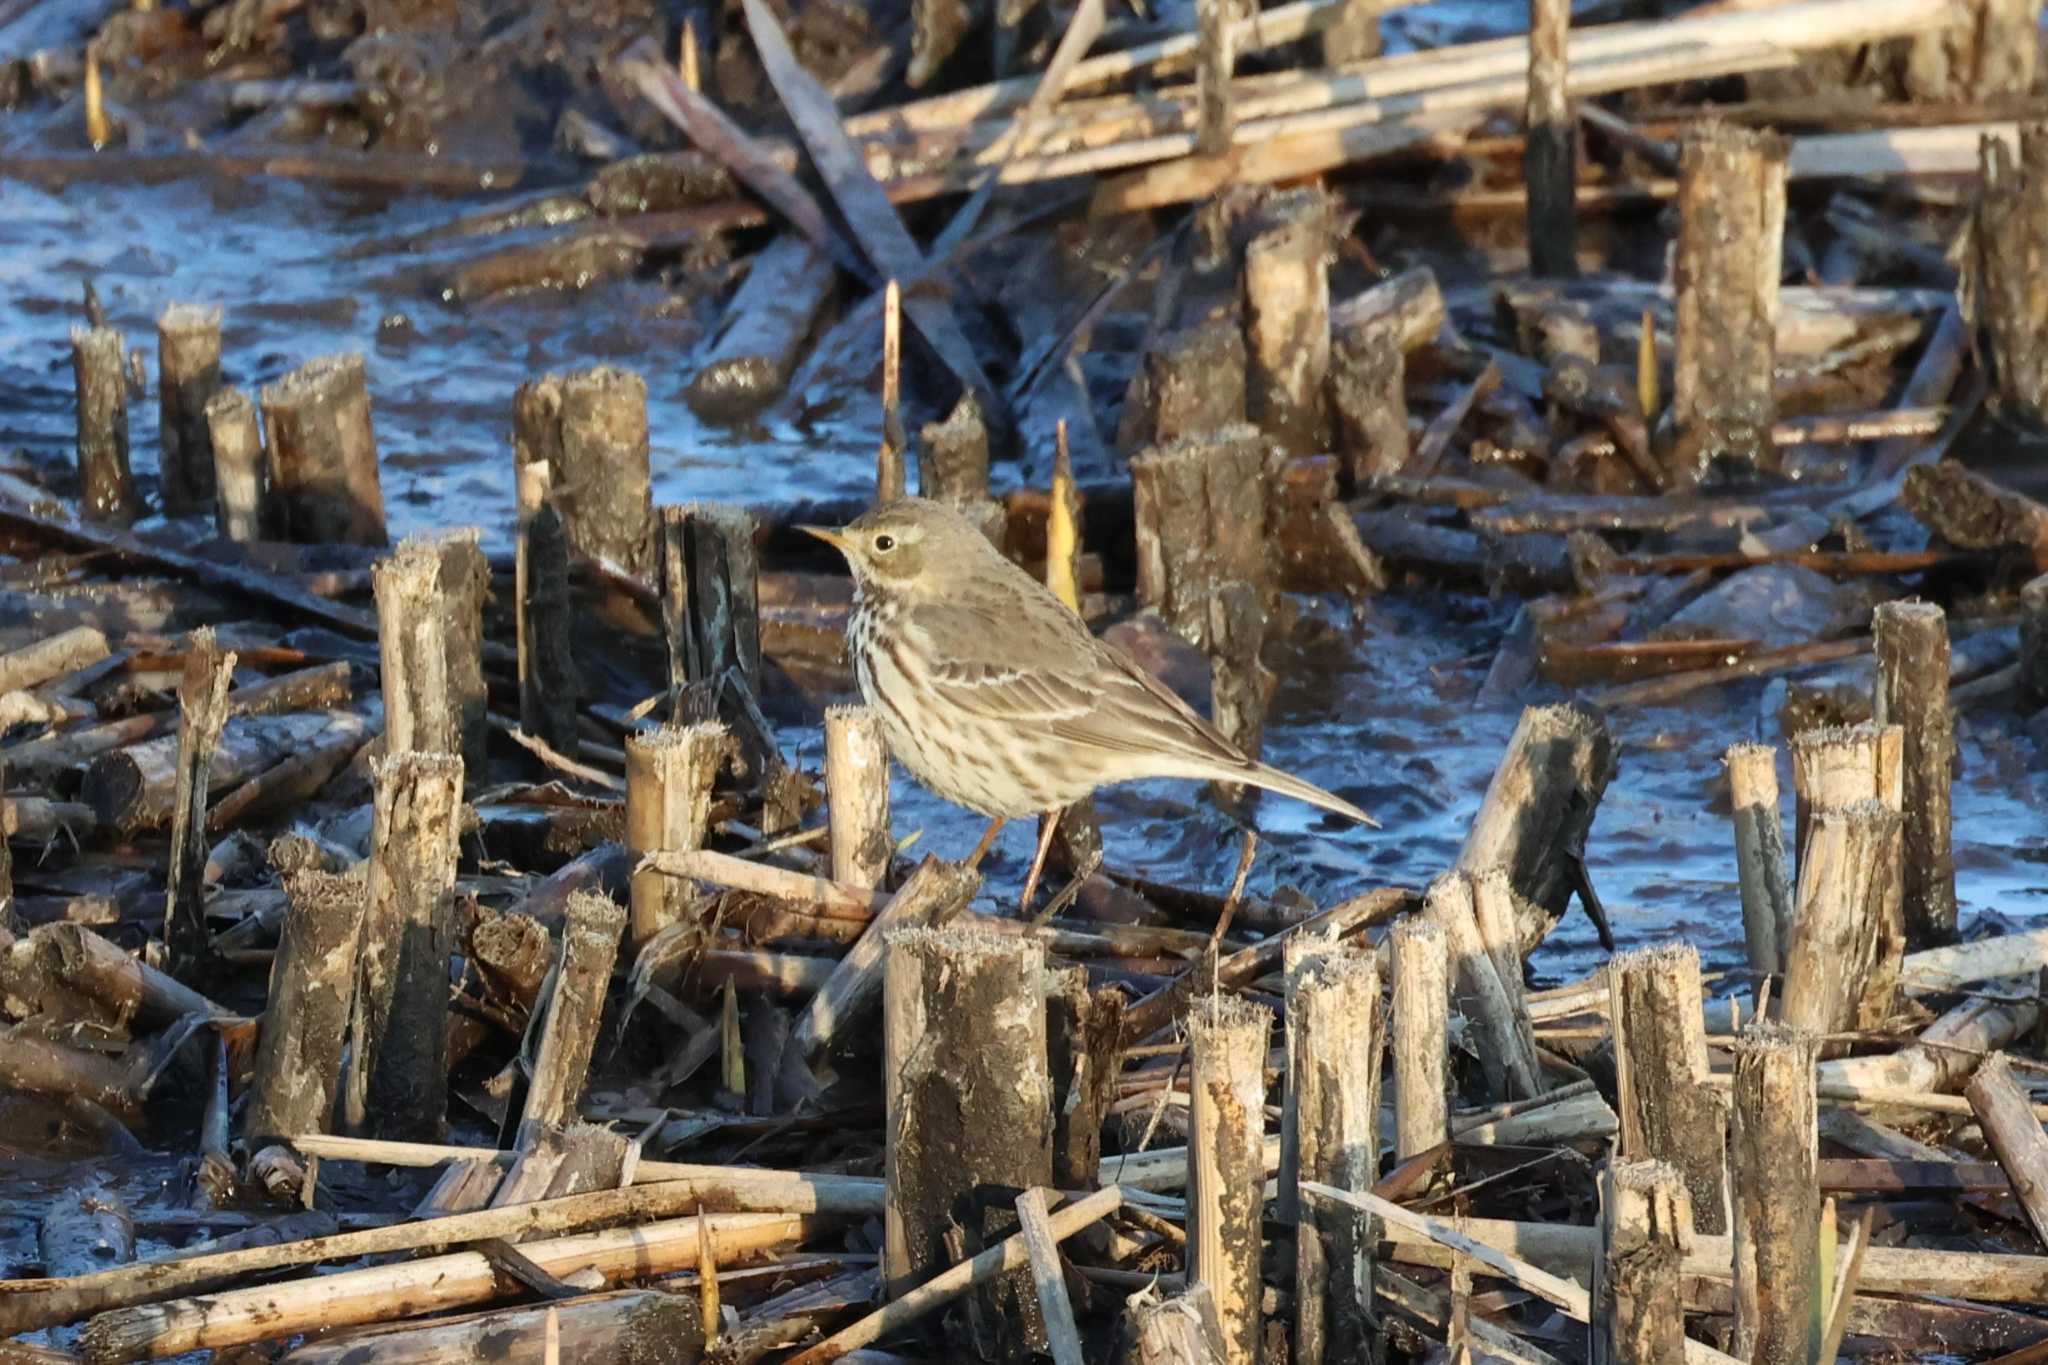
[
  {"x": 241, "y": 475},
  {"x": 1421, "y": 1035},
  {"x": 1912, "y": 692},
  {"x": 590, "y": 429},
  {"x": 1048, "y": 1276},
  {"x": 324, "y": 482},
  {"x": 1226, "y": 1175},
  {"x": 106, "y": 487},
  {"x": 669, "y": 773},
  {"x": 550, "y": 688},
  {"x": 891, "y": 470},
  {"x": 1760, "y": 855},
  {"x": 202, "y": 714},
  {"x": 1668, "y": 1111},
  {"x": 969, "y": 1106},
  {"x": 1287, "y": 319},
  {"x": 590, "y": 945},
  {"x": 1333, "y": 1064},
  {"x": 305, "y": 1018},
  {"x": 234, "y": 1317},
  {"x": 188, "y": 375},
  {"x": 398, "y": 1076},
  {"x": 1538, "y": 810},
  {"x": 857, "y": 796},
  {"x": 949, "y": 1284},
  {"x": 2015, "y": 1135},
  {"x": 2010, "y": 223},
  {"x": 632, "y": 1327},
  {"x": 1776, "y": 1196},
  {"x": 930, "y": 897},
  {"x": 1842, "y": 968},
  {"x": 1490, "y": 1000},
  {"x": 1731, "y": 199},
  {"x": 1647, "y": 1218},
  {"x": 1550, "y": 156}
]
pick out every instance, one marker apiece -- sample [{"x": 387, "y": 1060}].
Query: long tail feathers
[{"x": 1272, "y": 779}]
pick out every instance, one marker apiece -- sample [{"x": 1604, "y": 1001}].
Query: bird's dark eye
[{"x": 884, "y": 544}]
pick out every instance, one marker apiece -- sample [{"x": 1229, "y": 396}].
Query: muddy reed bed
[{"x": 457, "y": 929}]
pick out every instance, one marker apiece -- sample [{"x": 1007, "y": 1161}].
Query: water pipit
[{"x": 997, "y": 697}]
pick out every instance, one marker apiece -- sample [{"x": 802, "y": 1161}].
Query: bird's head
[{"x": 903, "y": 546}]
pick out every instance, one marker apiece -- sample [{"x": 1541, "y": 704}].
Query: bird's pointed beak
[{"x": 836, "y": 539}]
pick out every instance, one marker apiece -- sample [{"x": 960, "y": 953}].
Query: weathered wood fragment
[
  {"x": 590, "y": 427},
  {"x": 629, "y": 1327},
  {"x": 1083, "y": 1031},
  {"x": 1180, "y": 1330},
  {"x": 969, "y": 1104},
  {"x": 2015, "y": 1135},
  {"x": 1842, "y": 967},
  {"x": 1368, "y": 395},
  {"x": 1731, "y": 200},
  {"x": 1646, "y": 1220},
  {"x": 398, "y": 1075},
  {"x": 1190, "y": 382},
  {"x": 2008, "y": 289},
  {"x": 188, "y": 374},
  {"x": 202, "y": 713},
  {"x": 1760, "y": 855},
  {"x": 106, "y": 486},
  {"x": 1227, "y": 1178},
  {"x": 932, "y": 897},
  {"x": 324, "y": 483},
  {"x": 550, "y": 686},
  {"x": 857, "y": 796},
  {"x": 1488, "y": 996}
]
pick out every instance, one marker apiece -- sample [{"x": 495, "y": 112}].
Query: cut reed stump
[
  {"x": 1190, "y": 381},
  {"x": 188, "y": 375},
  {"x": 202, "y": 714},
  {"x": 1912, "y": 693},
  {"x": 305, "y": 1018},
  {"x": 324, "y": 482},
  {"x": 590, "y": 427},
  {"x": 1486, "y": 967},
  {"x": 669, "y": 773},
  {"x": 1333, "y": 1063},
  {"x": 711, "y": 611},
  {"x": 1215, "y": 64},
  {"x": 590, "y": 945},
  {"x": 1421, "y": 1035},
  {"x": 1180, "y": 1330},
  {"x": 857, "y": 796},
  {"x": 1226, "y": 1169},
  {"x": 1550, "y": 156},
  {"x": 2010, "y": 290},
  {"x": 969, "y": 1107},
  {"x": 1842, "y": 968},
  {"x": 1646, "y": 1220},
  {"x": 430, "y": 605},
  {"x": 2015, "y": 1135},
  {"x": 398, "y": 1074},
  {"x": 1368, "y": 384},
  {"x": 550, "y": 687},
  {"x": 1538, "y": 811},
  {"x": 1669, "y": 1113},
  {"x": 1760, "y": 855},
  {"x": 1287, "y": 319},
  {"x": 1777, "y": 1196},
  {"x": 1731, "y": 200},
  {"x": 1836, "y": 766},
  {"x": 789, "y": 286},
  {"x": 106, "y": 487},
  {"x": 241, "y": 473},
  {"x": 1083, "y": 1038}
]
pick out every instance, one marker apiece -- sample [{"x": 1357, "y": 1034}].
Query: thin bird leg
[
  {"x": 988, "y": 839},
  {"x": 1048, "y": 826}
]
